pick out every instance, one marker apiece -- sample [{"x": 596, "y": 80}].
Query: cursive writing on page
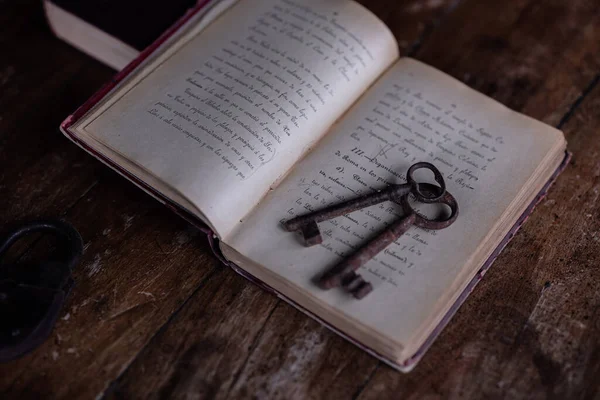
[
  {"x": 403, "y": 125},
  {"x": 485, "y": 152},
  {"x": 413, "y": 114},
  {"x": 233, "y": 106},
  {"x": 254, "y": 94}
]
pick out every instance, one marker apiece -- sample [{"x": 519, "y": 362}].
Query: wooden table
[{"x": 154, "y": 314}]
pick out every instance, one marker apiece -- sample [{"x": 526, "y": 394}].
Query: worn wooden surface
[{"x": 155, "y": 315}]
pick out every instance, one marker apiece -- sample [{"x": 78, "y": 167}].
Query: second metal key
[{"x": 344, "y": 273}]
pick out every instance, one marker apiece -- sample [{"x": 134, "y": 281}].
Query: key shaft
[
  {"x": 346, "y": 269},
  {"x": 392, "y": 193}
]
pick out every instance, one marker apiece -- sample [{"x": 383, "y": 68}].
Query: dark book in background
[{"x": 113, "y": 31}]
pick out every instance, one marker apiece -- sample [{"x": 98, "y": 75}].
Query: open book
[{"x": 263, "y": 110}]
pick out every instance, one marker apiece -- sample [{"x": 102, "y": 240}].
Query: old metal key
[
  {"x": 307, "y": 224},
  {"x": 344, "y": 273}
]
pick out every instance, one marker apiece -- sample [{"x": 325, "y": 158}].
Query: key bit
[
  {"x": 357, "y": 286},
  {"x": 311, "y": 233}
]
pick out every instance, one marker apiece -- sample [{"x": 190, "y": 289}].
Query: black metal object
[
  {"x": 32, "y": 294},
  {"x": 344, "y": 274}
]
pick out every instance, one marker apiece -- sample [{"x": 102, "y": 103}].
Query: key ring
[
  {"x": 416, "y": 186},
  {"x": 422, "y": 221}
]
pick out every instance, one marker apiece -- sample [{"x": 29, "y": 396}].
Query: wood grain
[
  {"x": 154, "y": 315},
  {"x": 136, "y": 271},
  {"x": 518, "y": 336}
]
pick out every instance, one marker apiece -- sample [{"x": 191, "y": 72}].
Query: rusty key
[
  {"x": 344, "y": 274},
  {"x": 307, "y": 224}
]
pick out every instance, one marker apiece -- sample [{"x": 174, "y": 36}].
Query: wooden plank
[
  {"x": 129, "y": 283},
  {"x": 536, "y": 58},
  {"x": 199, "y": 352},
  {"x": 295, "y": 357},
  {"x": 230, "y": 326},
  {"x": 42, "y": 79},
  {"x": 140, "y": 265},
  {"x": 41, "y": 82},
  {"x": 34, "y": 173},
  {"x": 483, "y": 43}
]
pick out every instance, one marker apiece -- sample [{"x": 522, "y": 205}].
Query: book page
[
  {"x": 486, "y": 153},
  {"x": 237, "y": 104}
]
